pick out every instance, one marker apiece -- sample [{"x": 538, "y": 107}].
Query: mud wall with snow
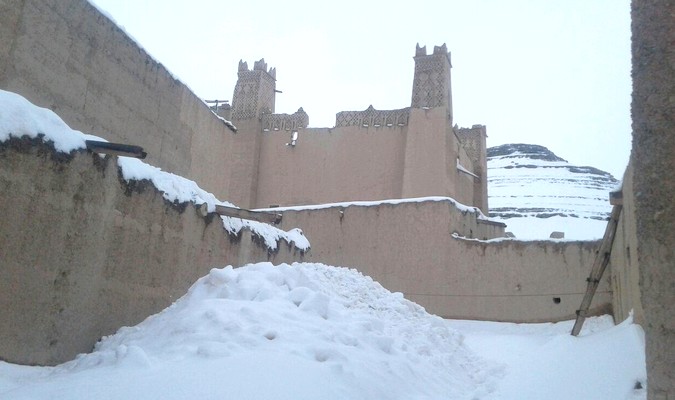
[
  {"x": 410, "y": 247},
  {"x": 83, "y": 252},
  {"x": 66, "y": 56}
]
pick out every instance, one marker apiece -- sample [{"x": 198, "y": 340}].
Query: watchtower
[
  {"x": 431, "y": 83},
  {"x": 255, "y": 91}
]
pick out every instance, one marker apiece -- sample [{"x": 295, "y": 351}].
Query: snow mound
[
  {"x": 19, "y": 118},
  {"x": 306, "y": 330}
]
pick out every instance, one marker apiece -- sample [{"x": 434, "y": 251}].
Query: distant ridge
[{"x": 535, "y": 192}]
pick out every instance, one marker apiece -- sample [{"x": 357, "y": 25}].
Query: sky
[{"x": 554, "y": 73}]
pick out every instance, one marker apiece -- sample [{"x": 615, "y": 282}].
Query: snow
[
  {"x": 535, "y": 197},
  {"x": 225, "y": 121},
  {"x": 19, "y": 117},
  {"x": 308, "y": 331},
  {"x": 460, "y": 167},
  {"x": 534, "y": 228},
  {"x": 461, "y": 207}
]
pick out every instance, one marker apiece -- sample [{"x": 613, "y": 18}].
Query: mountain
[{"x": 535, "y": 192}]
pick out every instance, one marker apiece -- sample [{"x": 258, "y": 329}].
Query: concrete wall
[
  {"x": 409, "y": 248},
  {"x": 67, "y": 56},
  {"x": 83, "y": 253},
  {"x": 653, "y": 108}
]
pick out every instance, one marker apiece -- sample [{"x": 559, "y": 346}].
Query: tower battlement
[
  {"x": 254, "y": 94},
  {"x": 431, "y": 83},
  {"x": 259, "y": 65}
]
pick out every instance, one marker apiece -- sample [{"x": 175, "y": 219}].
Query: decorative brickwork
[
  {"x": 254, "y": 92},
  {"x": 372, "y": 117},
  {"x": 286, "y": 122},
  {"x": 471, "y": 141},
  {"x": 431, "y": 84}
]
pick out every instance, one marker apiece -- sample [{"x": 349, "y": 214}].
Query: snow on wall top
[
  {"x": 461, "y": 207},
  {"x": 19, "y": 117}
]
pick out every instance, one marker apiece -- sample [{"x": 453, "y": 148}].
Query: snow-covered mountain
[{"x": 534, "y": 192}]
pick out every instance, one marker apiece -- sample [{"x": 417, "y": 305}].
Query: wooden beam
[
  {"x": 616, "y": 198},
  {"x": 260, "y": 216},
  {"x": 115, "y": 149}
]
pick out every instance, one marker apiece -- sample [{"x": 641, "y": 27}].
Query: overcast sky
[{"x": 548, "y": 72}]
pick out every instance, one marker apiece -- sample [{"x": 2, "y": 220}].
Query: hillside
[{"x": 535, "y": 192}]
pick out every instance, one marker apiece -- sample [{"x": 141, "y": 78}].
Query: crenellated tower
[
  {"x": 431, "y": 83},
  {"x": 431, "y": 147},
  {"x": 255, "y": 91}
]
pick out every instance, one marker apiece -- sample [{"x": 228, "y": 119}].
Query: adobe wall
[
  {"x": 409, "y": 247},
  {"x": 357, "y": 163},
  {"x": 653, "y": 107},
  {"x": 83, "y": 253},
  {"x": 330, "y": 165},
  {"x": 624, "y": 264},
  {"x": 67, "y": 56}
]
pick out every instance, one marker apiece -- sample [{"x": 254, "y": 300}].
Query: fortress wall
[
  {"x": 67, "y": 56},
  {"x": 354, "y": 163},
  {"x": 331, "y": 165},
  {"x": 408, "y": 247},
  {"x": 625, "y": 274},
  {"x": 82, "y": 253},
  {"x": 430, "y": 156},
  {"x": 474, "y": 142},
  {"x": 464, "y": 184}
]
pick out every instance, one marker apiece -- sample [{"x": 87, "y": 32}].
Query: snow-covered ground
[{"x": 310, "y": 331}]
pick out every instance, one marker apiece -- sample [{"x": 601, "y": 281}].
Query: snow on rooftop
[
  {"x": 19, "y": 117},
  {"x": 311, "y": 331}
]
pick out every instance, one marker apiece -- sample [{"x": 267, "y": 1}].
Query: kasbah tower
[{"x": 368, "y": 155}]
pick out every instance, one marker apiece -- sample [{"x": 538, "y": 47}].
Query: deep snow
[{"x": 309, "y": 331}]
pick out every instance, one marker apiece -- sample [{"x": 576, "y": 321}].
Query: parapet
[
  {"x": 472, "y": 140},
  {"x": 438, "y": 50},
  {"x": 286, "y": 122},
  {"x": 259, "y": 65},
  {"x": 372, "y": 117}
]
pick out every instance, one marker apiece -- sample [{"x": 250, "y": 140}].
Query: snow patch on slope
[{"x": 536, "y": 192}]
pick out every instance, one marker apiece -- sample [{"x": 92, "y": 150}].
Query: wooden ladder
[{"x": 599, "y": 266}]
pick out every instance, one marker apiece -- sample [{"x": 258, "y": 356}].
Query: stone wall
[
  {"x": 653, "y": 108},
  {"x": 409, "y": 247},
  {"x": 84, "y": 253}
]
